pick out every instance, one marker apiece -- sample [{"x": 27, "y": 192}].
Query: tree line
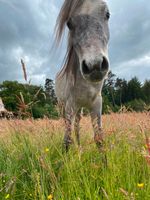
[
  {"x": 27, "y": 100},
  {"x": 132, "y": 94}
]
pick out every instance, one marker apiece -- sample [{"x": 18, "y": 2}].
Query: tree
[
  {"x": 108, "y": 88},
  {"x": 134, "y": 90},
  {"x": 146, "y": 91},
  {"x": 50, "y": 92},
  {"x": 120, "y": 91}
]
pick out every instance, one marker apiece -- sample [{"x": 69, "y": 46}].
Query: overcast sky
[{"x": 27, "y": 27}]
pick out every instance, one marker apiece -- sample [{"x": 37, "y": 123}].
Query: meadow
[{"x": 34, "y": 167}]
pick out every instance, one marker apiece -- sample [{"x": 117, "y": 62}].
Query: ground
[{"x": 33, "y": 165}]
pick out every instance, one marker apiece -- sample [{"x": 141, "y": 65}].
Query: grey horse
[{"x": 79, "y": 83}]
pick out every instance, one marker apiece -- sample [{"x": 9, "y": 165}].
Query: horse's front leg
[
  {"x": 69, "y": 115},
  {"x": 77, "y": 126},
  {"x": 96, "y": 112}
]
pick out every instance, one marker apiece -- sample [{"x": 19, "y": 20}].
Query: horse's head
[{"x": 89, "y": 35}]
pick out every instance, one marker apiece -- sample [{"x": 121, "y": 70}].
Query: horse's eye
[
  {"x": 70, "y": 24},
  {"x": 107, "y": 15}
]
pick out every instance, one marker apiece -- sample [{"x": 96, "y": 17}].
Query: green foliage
[
  {"x": 38, "y": 111},
  {"x": 49, "y": 90},
  {"x": 107, "y": 106},
  {"x": 108, "y": 88},
  {"x": 48, "y": 110},
  {"x": 28, "y": 100},
  {"x": 51, "y": 111},
  {"x": 134, "y": 90},
  {"x": 146, "y": 91},
  {"x": 118, "y": 92},
  {"x": 38, "y": 102},
  {"x": 8, "y": 92},
  {"x": 137, "y": 105}
]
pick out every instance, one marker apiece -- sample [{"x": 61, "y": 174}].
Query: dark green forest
[{"x": 27, "y": 100}]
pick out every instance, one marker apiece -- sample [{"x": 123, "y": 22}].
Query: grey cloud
[
  {"x": 26, "y": 31},
  {"x": 139, "y": 67},
  {"x": 130, "y": 38}
]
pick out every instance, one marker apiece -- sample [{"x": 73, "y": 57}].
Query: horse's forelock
[{"x": 66, "y": 12}]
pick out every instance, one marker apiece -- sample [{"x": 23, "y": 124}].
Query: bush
[
  {"x": 137, "y": 105},
  {"x": 51, "y": 111},
  {"x": 38, "y": 111},
  {"x": 107, "y": 106}
]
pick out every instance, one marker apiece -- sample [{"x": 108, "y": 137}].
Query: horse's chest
[{"x": 86, "y": 95}]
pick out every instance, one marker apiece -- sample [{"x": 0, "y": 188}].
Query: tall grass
[{"x": 32, "y": 165}]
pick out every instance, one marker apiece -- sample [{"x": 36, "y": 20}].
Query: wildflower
[
  {"x": 140, "y": 185},
  {"x": 7, "y": 196},
  {"x": 50, "y": 197},
  {"x": 47, "y": 150}
]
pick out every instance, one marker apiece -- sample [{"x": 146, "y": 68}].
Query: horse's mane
[{"x": 66, "y": 12}]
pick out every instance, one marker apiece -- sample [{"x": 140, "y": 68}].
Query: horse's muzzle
[{"x": 97, "y": 71}]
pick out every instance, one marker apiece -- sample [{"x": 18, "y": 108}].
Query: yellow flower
[
  {"x": 50, "y": 197},
  {"x": 47, "y": 150},
  {"x": 7, "y": 196},
  {"x": 140, "y": 185}
]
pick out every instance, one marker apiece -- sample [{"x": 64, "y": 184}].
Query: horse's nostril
[
  {"x": 85, "y": 68},
  {"x": 104, "y": 65}
]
